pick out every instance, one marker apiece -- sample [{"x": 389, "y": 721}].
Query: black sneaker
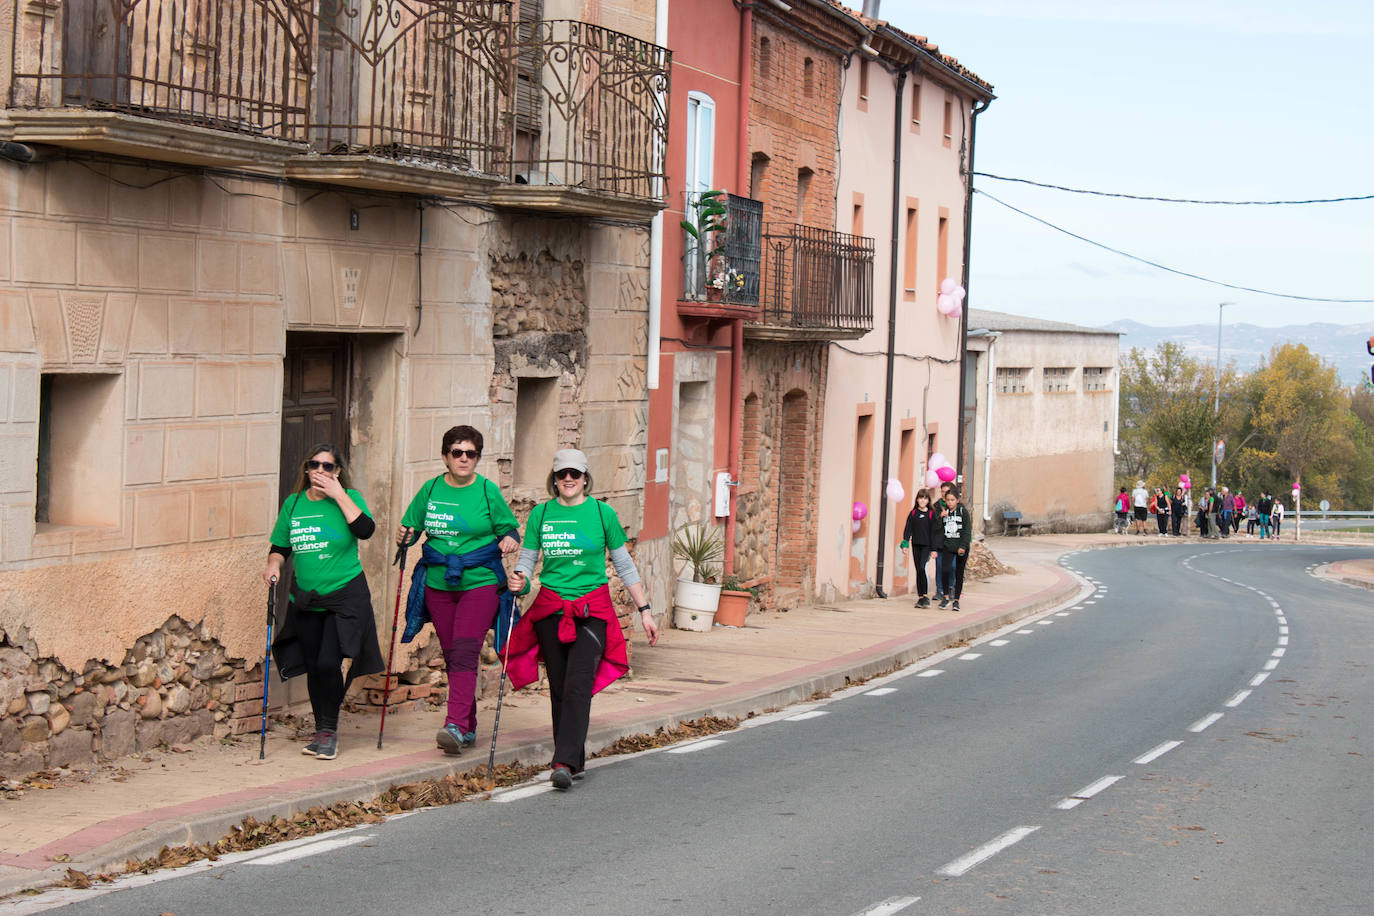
[
  {"x": 562, "y": 777},
  {"x": 327, "y": 745},
  {"x": 956, "y": 604},
  {"x": 313, "y": 748},
  {"x": 924, "y": 602},
  {"x": 944, "y": 601}
]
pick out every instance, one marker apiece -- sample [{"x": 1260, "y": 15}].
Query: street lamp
[{"x": 1216, "y": 404}]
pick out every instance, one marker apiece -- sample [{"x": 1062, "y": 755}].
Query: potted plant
[
  {"x": 734, "y": 601},
  {"x": 695, "y": 599},
  {"x": 707, "y": 227}
]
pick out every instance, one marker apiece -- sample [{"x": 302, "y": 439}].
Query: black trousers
[
  {"x": 571, "y": 668},
  {"x": 317, "y": 632},
  {"x": 920, "y": 555}
]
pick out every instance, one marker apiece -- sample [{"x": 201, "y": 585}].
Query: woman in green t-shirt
[
  {"x": 466, "y": 522},
  {"x": 329, "y": 617},
  {"x": 572, "y": 625}
]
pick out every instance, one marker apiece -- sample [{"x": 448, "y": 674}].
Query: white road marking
[
  {"x": 1283, "y": 620},
  {"x": 1158, "y": 752},
  {"x": 889, "y": 906},
  {"x": 931, "y": 672},
  {"x": 1093, "y": 788},
  {"x": 1065, "y": 804},
  {"x": 964, "y": 864},
  {"x": 1025, "y": 632},
  {"x": 1043, "y": 623},
  {"x": 1271, "y": 664},
  {"x": 511, "y": 795},
  {"x": 999, "y": 642},
  {"x": 1259, "y": 679},
  {"x": 813, "y": 714},
  {"x": 1283, "y": 630},
  {"x": 697, "y": 746},
  {"x": 881, "y": 692},
  {"x": 1061, "y": 613},
  {"x": 1203, "y": 723},
  {"x": 1279, "y": 653},
  {"x": 970, "y": 656},
  {"x": 1283, "y": 640},
  {"x": 311, "y": 849},
  {"x": 1090, "y": 602},
  {"x": 1237, "y": 699}
]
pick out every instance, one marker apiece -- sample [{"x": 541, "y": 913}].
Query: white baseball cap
[{"x": 569, "y": 458}]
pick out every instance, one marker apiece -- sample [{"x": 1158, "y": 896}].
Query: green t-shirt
[
  {"x": 324, "y": 553},
  {"x": 574, "y": 540},
  {"x": 458, "y": 520}
]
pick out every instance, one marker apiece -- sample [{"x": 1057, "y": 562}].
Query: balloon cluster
[
  {"x": 939, "y": 470},
  {"x": 1184, "y": 482},
  {"x": 950, "y": 302}
]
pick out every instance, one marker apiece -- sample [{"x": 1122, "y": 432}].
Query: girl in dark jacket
[{"x": 921, "y": 536}]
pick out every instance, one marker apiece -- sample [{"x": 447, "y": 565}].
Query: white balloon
[
  {"x": 856, "y": 525},
  {"x": 944, "y": 303},
  {"x": 894, "y": 490},
  {"x": 959, "y": 293},
  {"x": 937, "y": 460},
  {"x": 947, "y": 286}
]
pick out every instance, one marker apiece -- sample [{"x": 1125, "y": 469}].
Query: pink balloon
[
  {"x": 937, "y": 460},
  {"x": 947, "y": 286},
  {"x": 946, "y": 473},
  {"x": 894, "y": 490},
  {"x": 959, "y": 293},
  {"x": 855, "y": 526},
  {"x": 858, "y": 511},
  {"x": 932, "y": 479},
  {"x": 943, "y": 303}
]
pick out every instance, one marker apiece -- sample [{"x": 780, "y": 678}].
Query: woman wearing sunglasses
[
  {"x": 459, "y": 583},
  {"x": 572, "y": 625},
  {"x": 329, "y": 617}
]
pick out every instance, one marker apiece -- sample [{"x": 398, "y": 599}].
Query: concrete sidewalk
[{"x": 775, "y": 660}]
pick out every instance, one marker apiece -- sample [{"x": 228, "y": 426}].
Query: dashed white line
[
  {"x": 511, "y": 795},
  {"x": 999, "y": 642},
  {"x": 1203, "y": 723},
  {"x": 802, "y": 717},
  {"x": 1093, "y": 788},
  {"x": 311, "y": 849},
  {"x": 1283, "y": 640},
  {"x": 970, "y": 656},
  {"x": 889, "y": 906},
  {"x": 705, "y": 743},
  {"x": 1061, "y": 613},
  {"x": 1283, "y": 630},
  {"x": 1158, "y": 752},
  {"x": 964, "y": 864},
  {"x": 1283, "y": 620},
  {"x": 1237, "y": 699},
  {"x": 931, "y": 672},
  {"x": 1025, "y": 632},
  {"x": 1259, "y": 679},
  {"x": 1271, "y": 664},
  {"x": 1279, "y": 653},
  {"x": 1043, "y": 623}
]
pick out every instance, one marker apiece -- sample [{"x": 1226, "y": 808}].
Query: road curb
[{"x": 737, "y": 701}]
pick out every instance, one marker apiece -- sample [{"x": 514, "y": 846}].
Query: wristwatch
[{"x": 646, "y": 607}]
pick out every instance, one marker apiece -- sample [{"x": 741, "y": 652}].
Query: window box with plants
[{"x": 695, "y": 600}]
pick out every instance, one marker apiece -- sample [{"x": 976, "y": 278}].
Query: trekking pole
[
  {"x": 395, "y": 616},
  {"x": 500, "y": 695},
  {"x": 267, "y": 664}
]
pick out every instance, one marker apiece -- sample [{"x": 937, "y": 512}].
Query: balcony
[
  {"x": 817, "y": 285},
  {"x": 417, "y": 96},
  {"x": 725, "y": 284}
]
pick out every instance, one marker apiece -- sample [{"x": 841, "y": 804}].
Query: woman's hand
[
  {"x": 327, "y": 484},
  {"x": 508, "y": 545},
  {"x": 515, "y": 582},
  {"x": 650, "y": 628},
  {"x": 403, "y": 535},
  {"x": 273, "y": 571}
]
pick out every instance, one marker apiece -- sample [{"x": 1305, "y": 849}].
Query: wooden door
[{"x": 314, "y": 405}]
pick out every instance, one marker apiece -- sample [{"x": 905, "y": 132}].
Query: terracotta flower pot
[{"x": 733, "y": 608}]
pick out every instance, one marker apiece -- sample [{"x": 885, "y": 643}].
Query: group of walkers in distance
[
  {"x": 939, "y": 525},
  {"x": 1217, "y": 513},
  {"x": 461, "y": 587}
]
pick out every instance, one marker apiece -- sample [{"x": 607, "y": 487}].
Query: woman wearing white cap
[{"x": 571, "y": 625}]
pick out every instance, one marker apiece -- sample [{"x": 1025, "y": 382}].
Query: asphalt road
[{"x": 1175, "y": 743}]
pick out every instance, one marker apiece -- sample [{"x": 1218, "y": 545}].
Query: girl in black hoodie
[{"x": 922, "y": 536}]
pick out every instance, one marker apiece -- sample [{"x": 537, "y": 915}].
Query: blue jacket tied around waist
[{"x": 417, "y": 615}]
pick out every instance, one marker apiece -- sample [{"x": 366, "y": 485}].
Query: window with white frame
[
  {"x": 1012, "y": 379},
  {"x": 1057, "y": 379},
  {"x": 1097, "y": 378},
  {"x": 699, "y": 173}
]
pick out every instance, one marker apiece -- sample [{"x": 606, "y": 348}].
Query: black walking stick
[
  {"x": 267, "y": 663},
  {"x": 395, "y": 616},
  {"x": 500, "y": 695}
]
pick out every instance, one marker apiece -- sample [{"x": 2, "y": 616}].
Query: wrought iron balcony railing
[
  {"x": 817, "y": 280},
  {"x": 732, "y": 275},
  {"x": 443, "y": 81}
]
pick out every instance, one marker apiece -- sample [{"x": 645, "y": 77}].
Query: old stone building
[{"x": 212, "y": 259}]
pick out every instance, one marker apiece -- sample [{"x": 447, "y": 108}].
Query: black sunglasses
[
  {"x": 471, "y": 453},
  {"x": 565, "y": 473},
  {"x": 327, "y": 466}
]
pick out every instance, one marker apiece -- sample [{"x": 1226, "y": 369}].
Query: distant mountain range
[{"x": 1341, "y": 345}]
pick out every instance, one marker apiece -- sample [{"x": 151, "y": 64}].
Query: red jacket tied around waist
[{"x": 522, "y": 661}]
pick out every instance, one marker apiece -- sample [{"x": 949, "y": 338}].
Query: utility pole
[{"x": 1216, "y": 404}]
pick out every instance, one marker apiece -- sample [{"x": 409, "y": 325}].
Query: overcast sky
[{"x": 1240, "y": 99}]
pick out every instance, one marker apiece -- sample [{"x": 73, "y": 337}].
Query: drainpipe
[
  {"x": 978, "y": 108},
  {"x": 656, "y": 232},
  {"x": 987, "y": 428},
  {"x": 891, "y": 327},
  {"x": 746, "y": 41}
]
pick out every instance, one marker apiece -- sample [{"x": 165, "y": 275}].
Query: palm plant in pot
[{"x": 695, "y": 600}]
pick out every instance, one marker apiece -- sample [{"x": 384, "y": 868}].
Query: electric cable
[
  {"x": 1172, "y": 270},
  {"x": 1177, "y": 200}
]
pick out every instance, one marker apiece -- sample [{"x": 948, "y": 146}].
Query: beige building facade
[
  {"x": 186, "y": 305},
  {"x": 1045, "y": 429}
]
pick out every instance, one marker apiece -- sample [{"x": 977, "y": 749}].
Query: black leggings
[
  {"x": 571, "y": 667},
  {"x": 920, "y": 555},
  {"x": 319, "y": 639}
]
